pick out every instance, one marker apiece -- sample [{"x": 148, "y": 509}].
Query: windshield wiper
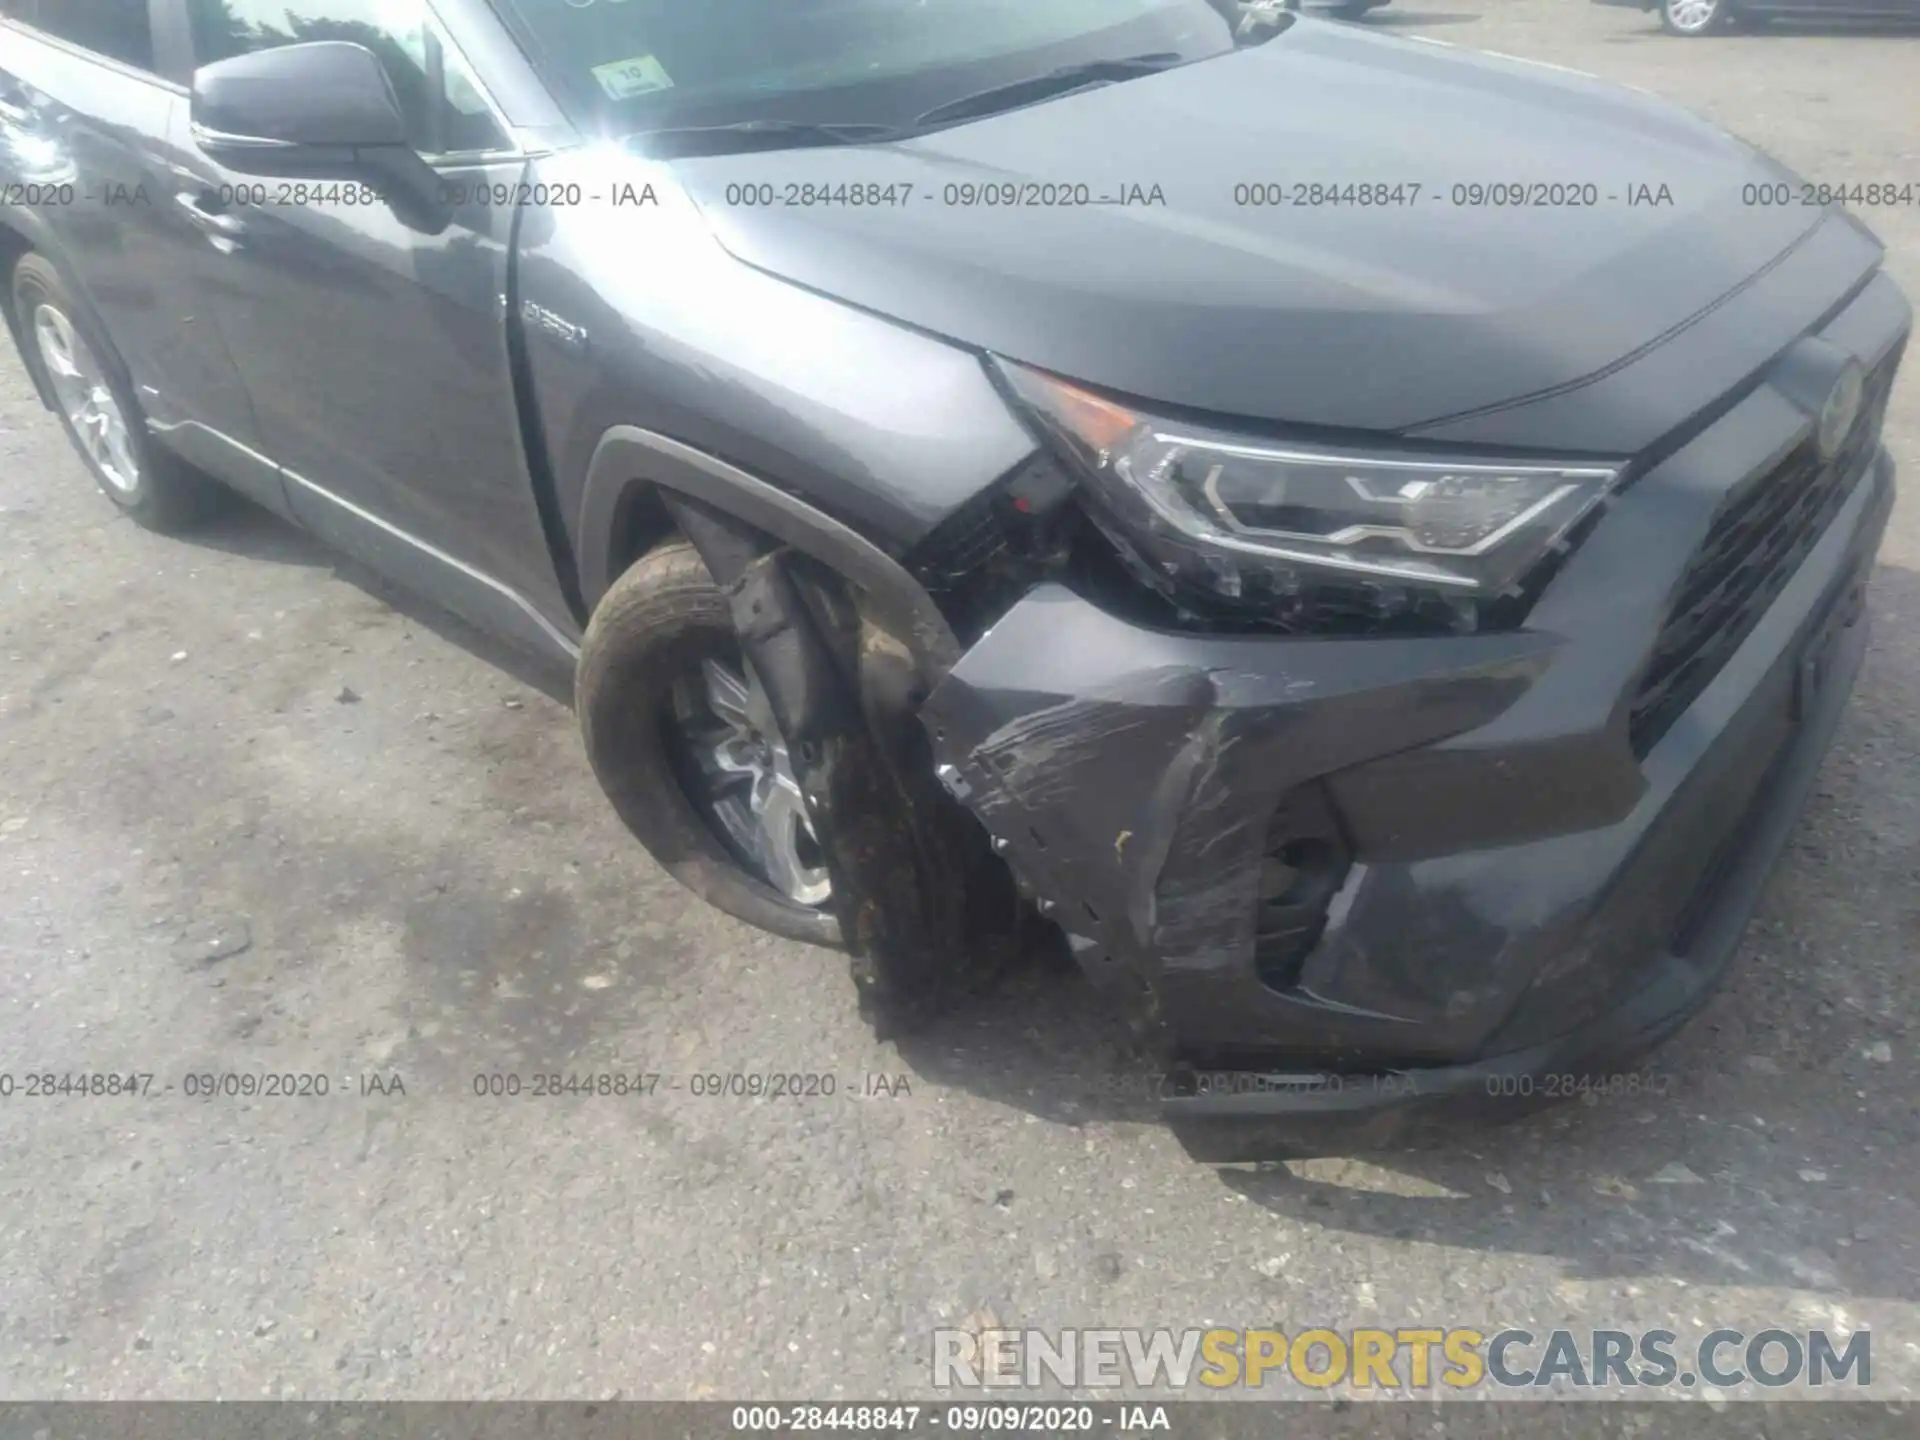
[
  {"x": 1046, "y": 85},
  {"x": 776, "y": 134},
  {"x": 759, "y": 135}
]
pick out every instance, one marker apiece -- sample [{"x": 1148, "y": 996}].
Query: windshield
[{"x": 625, "y": 66}]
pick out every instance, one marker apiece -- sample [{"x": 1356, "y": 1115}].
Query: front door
[
  {"x": 90, "y": 127},
  {"x": 375, "y": 354}
]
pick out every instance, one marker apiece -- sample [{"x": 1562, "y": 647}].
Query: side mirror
[
  {"x": 306, "y": 105},
  {"x": 322, "y": 110}
]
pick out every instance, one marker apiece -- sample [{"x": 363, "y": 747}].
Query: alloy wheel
[
  {"x": 1691, "y": 17},
  {"x": 742, "y": 777},
  {"x": 80, "y": 386}
]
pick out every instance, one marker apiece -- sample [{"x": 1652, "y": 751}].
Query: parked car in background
[
  {"x": 996, "y": 459},
  {"x": 1707, "y": 17},
  {"x": 1253, "y": 13},
  {"x": 1342, "y": 9}
]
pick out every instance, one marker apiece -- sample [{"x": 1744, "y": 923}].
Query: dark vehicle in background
[
  {"x": 1710, "y": 17},
  {"x": 1385, "y": 625},
  {"x": 1339, "y": 9}
]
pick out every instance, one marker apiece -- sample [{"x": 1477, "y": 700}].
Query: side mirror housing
[
  {"x": 323, "y": 109},
  {"x": 309, "y": 105}
]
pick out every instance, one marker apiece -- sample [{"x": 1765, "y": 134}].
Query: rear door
[
  {"x": 90, "y": 109},
  {"x": 375, "y": 354}
]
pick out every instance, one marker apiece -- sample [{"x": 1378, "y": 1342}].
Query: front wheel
[
  {"x": 682, "y": 740},
  {"x": 97, "y": 406},
  {"x": 1691, "y": 18}
]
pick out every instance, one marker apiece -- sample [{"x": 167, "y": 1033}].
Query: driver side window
[
  {"x": 117, "y": 29},
  {"x": 445, "y": 112}
]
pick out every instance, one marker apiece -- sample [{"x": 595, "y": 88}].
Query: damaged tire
[{"x": 681, "y": 740}]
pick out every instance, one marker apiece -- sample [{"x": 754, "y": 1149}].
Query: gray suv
[{"x": 1361, "y": 543}]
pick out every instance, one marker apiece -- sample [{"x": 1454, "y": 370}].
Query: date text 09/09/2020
[{"x": 893, "y": 1419}]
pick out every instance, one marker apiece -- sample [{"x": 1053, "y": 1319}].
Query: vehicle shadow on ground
[
  {"x": 250, "y": 532},
  {"x": 1041, "y": 1038},
  {"x": 1391, "y": 19},
  {"x": 1728, "y": 1179},
  {"x": 1892, "y": 28}
]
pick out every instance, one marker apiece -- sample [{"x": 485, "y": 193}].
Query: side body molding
[{"x": 628, "y": 460}]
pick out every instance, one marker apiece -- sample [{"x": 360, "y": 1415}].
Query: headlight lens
[{"x": 1225, "y": 511}]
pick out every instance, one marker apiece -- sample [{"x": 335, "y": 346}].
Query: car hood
[{"x": 1358, "y": 316}]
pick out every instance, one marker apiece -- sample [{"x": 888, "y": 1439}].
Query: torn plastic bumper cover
[
  {"x": 1130, "y": 777},
  {"x": 1526, "y": 895}
]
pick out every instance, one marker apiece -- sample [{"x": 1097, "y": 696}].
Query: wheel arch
[
  {"x": 15, "y": 244},
  {"x": 17, "y": 241},
  {"x": 621, "y": 517}
]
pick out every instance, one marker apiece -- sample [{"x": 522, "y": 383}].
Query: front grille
[{"x": 1762, "y": 533}]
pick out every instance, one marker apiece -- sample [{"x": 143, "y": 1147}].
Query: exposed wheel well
[
  {"x": 641, "y": 525},
  {"x": 614, "y": 505}
]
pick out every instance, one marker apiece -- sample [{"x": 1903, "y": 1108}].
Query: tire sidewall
[
  {"x": 37, "y": 282},
  {"x": 662, "y": 617}
]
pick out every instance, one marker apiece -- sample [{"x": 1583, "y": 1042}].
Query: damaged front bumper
[{"x": 1523, "y": 892}]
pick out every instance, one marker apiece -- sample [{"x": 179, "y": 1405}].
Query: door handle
[{"x": 209, "y": 212}]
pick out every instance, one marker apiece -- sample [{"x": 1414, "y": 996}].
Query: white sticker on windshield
[{"x": 624, "y": 79}]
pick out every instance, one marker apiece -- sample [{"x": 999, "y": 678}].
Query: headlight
[{"x": 1232, "y": 513}]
